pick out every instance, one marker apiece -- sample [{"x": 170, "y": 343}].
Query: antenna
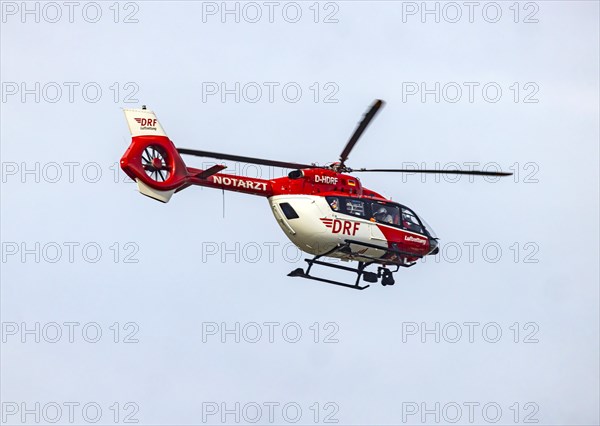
[{"x": 223, "y": 192}]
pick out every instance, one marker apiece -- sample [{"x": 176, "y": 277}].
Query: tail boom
[{"x": 244, "y": 184}]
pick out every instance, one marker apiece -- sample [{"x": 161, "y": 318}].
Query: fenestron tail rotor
[{"x": 154, "y": 164}]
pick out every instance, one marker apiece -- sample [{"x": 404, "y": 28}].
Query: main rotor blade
[
  {"x": 447, "y": 172},
  {"x": 243, "y": 159},
  {"x": 360, "y": 129}
]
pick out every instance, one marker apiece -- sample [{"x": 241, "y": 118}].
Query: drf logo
[
  {"x": 150, "y": 122},
  {"x": 341, "y": 226}
]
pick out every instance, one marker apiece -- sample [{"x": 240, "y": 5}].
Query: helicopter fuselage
[{"x": 322, "y": 210}]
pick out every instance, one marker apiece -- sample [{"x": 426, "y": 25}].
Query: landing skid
[{"x": 360, "y": 271}]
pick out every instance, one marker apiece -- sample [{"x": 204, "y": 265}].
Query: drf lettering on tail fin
[
  {"x": 143, "y": 122},
  {"x": 146, "y": 123}
]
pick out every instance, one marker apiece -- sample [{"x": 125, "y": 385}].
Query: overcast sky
[{"x": 503, "y": 85}]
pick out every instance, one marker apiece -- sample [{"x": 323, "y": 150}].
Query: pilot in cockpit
[{"x": 382, "y": 215}]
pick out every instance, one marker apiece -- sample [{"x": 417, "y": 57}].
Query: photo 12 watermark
[
  {"x": 269, "y": 412},
  {"x": 252, "y": 92},
  {"x": 71, "y": 92},
  {"x": 270, "y": 332},
  {"x": 469, "y": 412},
  {"x": 57, "y": 12},
  {"x": 522, "y": 172},
  {"x": 252, "y": 12},
  {"x": 469, "y": 332},
  {"x": 450, "y": 252},
  {"x": 485, "y": 252},
  {"x": 69, "y": 332},
  {"x": 453, "y": 12},
  {"x": 469, "y": 92},
  {"x": 86, "y": 252},
  {"x": 69, "y": 412},
  {"x": 58, "y": 172}
]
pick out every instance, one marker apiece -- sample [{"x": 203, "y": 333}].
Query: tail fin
[
  {"x": 152, "y": 160},
  {"x": 143, "y": 122}
]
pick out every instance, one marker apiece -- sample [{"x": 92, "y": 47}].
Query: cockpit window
[
  {"x": 386, "y": 213},
  {"x": 410, "y": 221}
]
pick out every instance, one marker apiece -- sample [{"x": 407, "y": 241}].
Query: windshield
[
  {"x": 410, "y": 221},
  {"x": 428, "y": 227}
]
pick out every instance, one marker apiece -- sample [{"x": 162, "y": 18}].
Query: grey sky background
[{"x": 550, "y": 210}]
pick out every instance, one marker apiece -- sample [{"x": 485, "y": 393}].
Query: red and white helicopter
[{"x": 324, "y": 211}]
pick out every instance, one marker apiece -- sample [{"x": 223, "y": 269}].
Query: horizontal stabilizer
[{"x": 205, "y": 174}]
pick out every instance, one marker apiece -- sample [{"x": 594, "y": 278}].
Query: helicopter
[{"x": 324, "y": 210}]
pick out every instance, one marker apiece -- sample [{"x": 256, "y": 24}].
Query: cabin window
[
  {"x": 288, "y": 211},
  {"x": 355, "y": 207},
  {"x": 334, "y": 203}
]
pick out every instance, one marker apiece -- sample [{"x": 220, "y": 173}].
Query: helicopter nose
[{"x": 434, "y": 247}]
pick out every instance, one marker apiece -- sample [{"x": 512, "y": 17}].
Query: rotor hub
[{"x": 156, "y": 163}]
